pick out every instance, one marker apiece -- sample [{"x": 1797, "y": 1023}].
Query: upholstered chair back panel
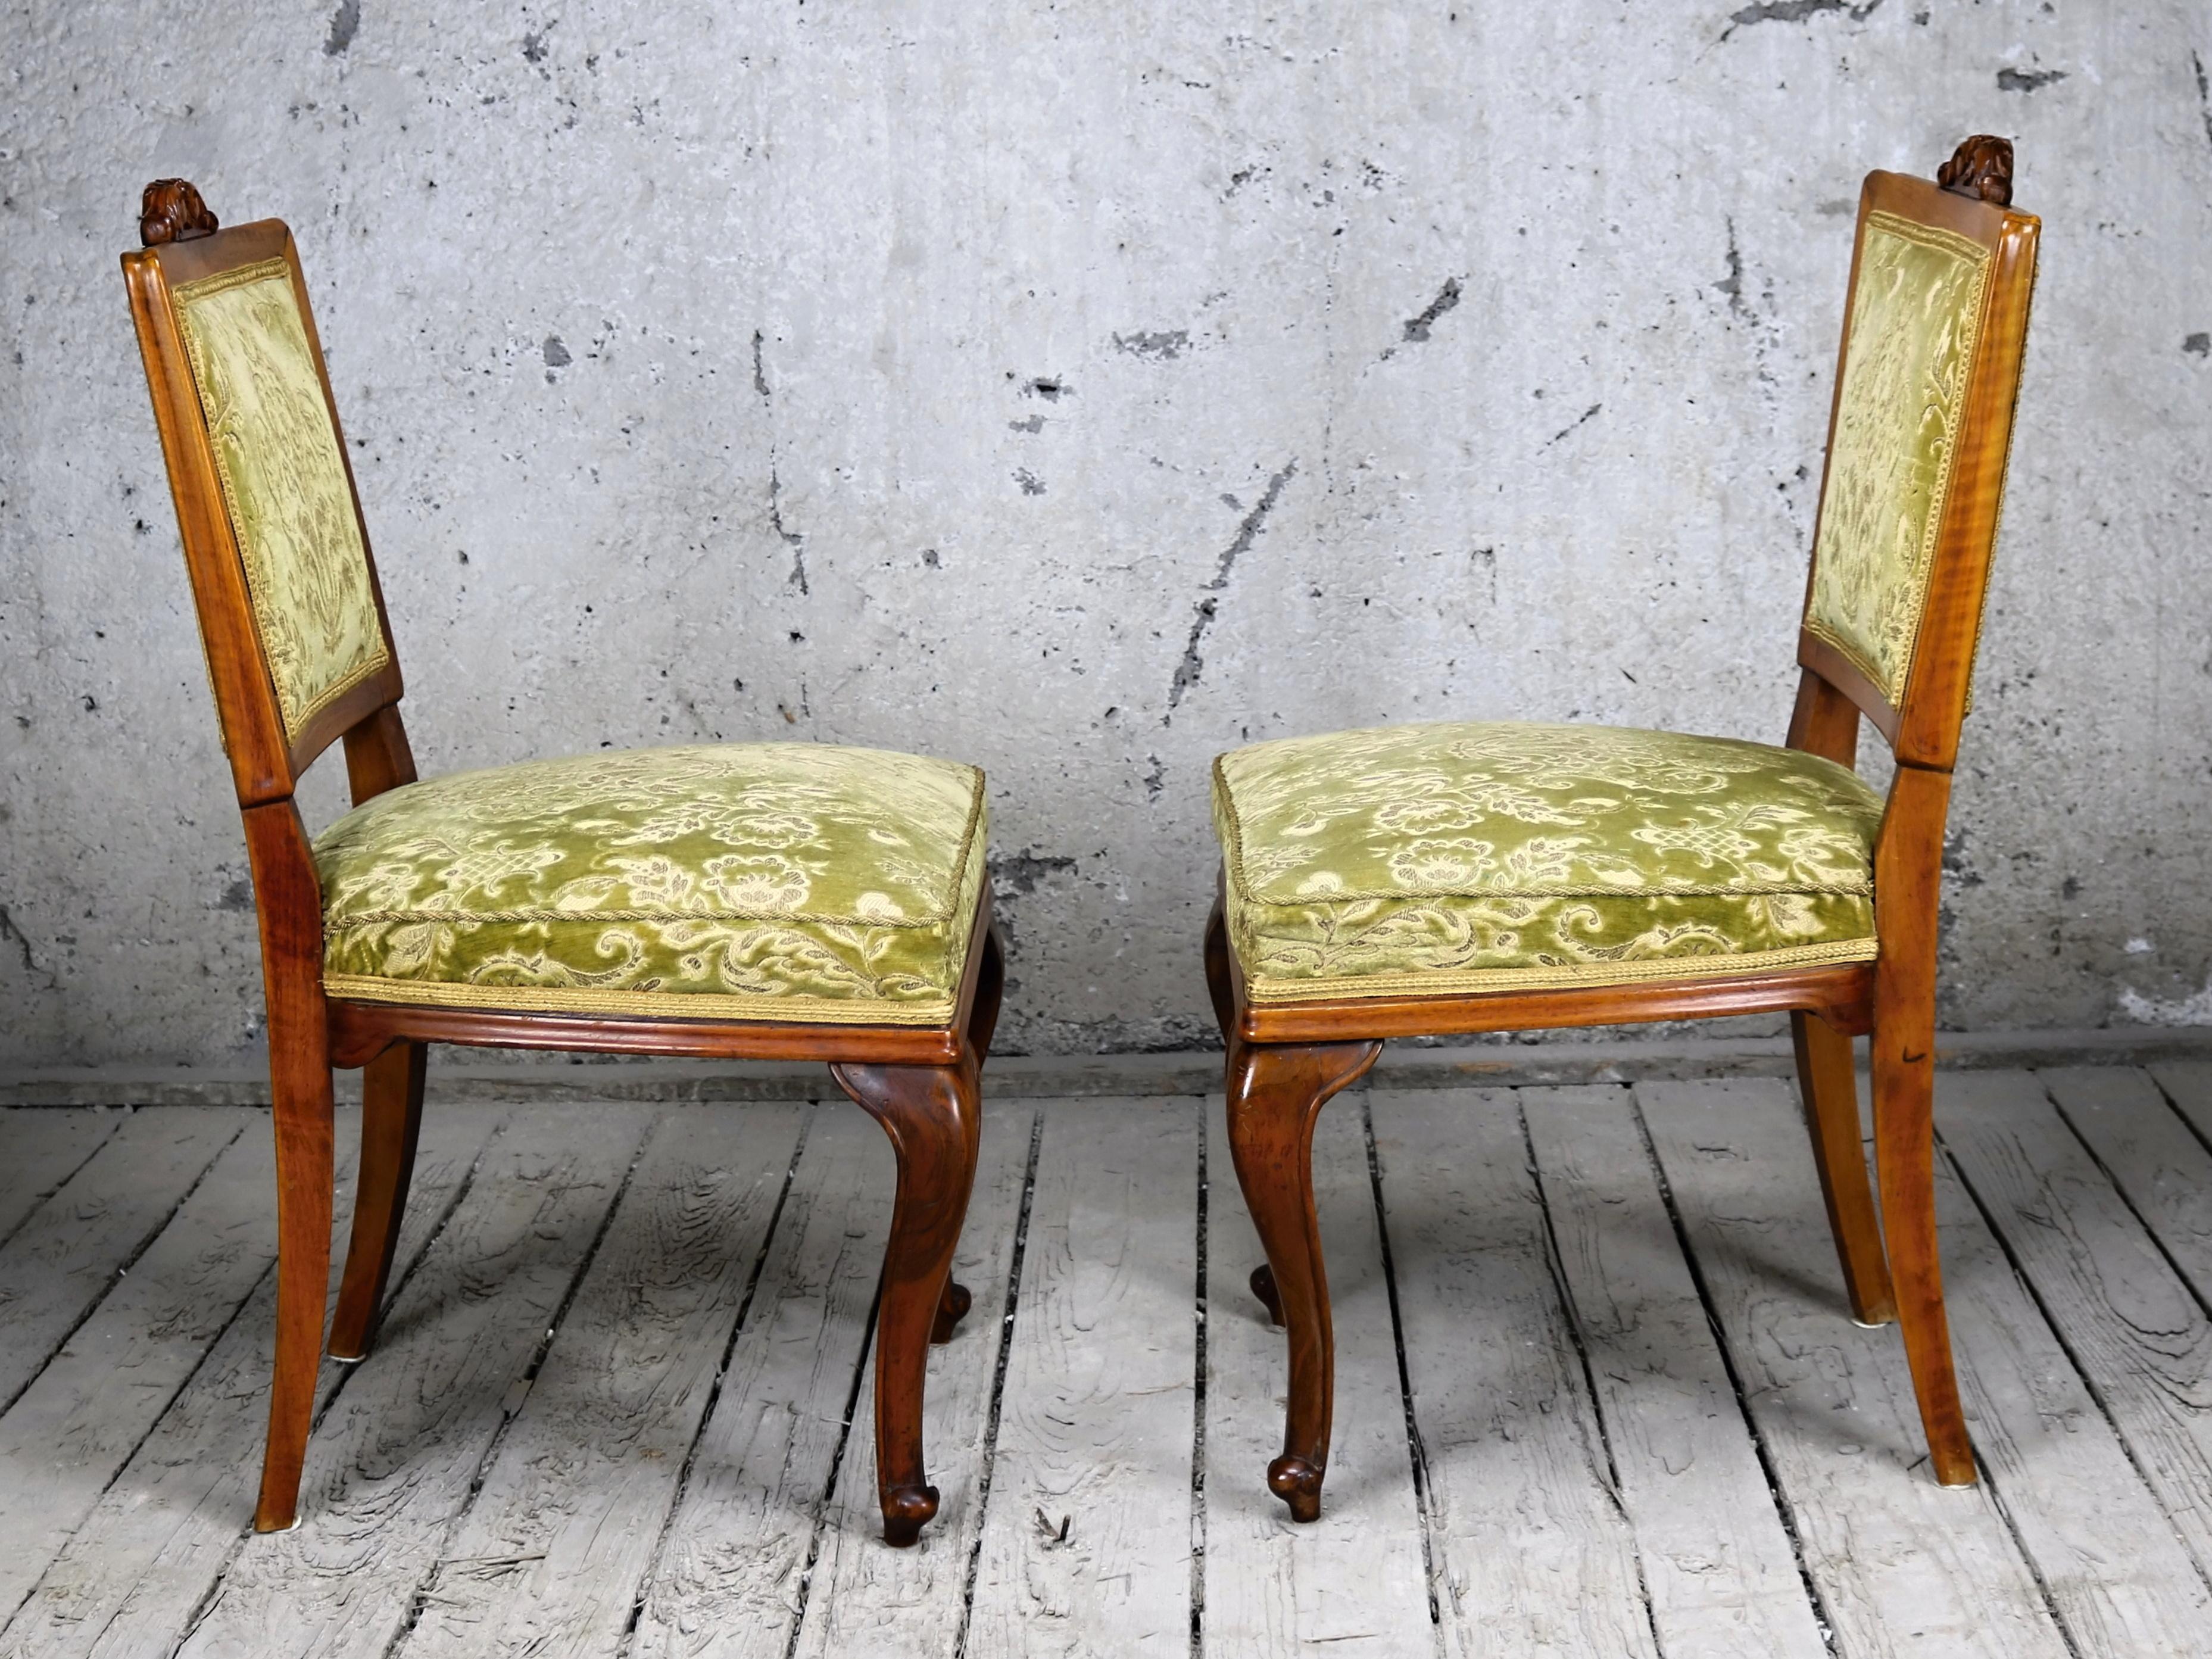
[
  {"x": 284, "y": 486},
  {"x": 1916, "y": 314}
]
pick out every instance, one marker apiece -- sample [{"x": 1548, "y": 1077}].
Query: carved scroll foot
[
  {"x": 1297, "y": 1483},
  {"x": 907, "y": 1510}
]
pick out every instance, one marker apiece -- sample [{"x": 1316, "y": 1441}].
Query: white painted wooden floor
[{"x": 1597, "y": 1389}]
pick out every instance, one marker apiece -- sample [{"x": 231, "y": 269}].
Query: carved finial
[
  {"x": 171, "y": 211},
  {"x": 1980, "y": 168}
]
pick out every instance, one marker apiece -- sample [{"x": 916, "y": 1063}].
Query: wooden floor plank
[
  {"x": 1096, "y": 1425},
  {"x": 40, "y": 1147},
  {"x": 161, "y": 1536},
  {"x": 2188, "y": 1084},
  {"x": 159, "y": 1397},
  {"x": 51, "y": 1272},
  {"x": 869, "y": 1601},
  {"x": 79, "y": 1421},
  {"x": 2154, "y": 1158},
  {"x": 390, "y": 1466},
  {"x": 1536, "y": 1554},
  {"x": 1355, "y": 1580},
  {"x": 2119, "y": 1576},
  {"x": 2129, "y": 1319},
  {"x": 1903, "y": 1566},
  {"x": 731, "y": 1569},
  {"x": 557, "y": 1543},
  {"x": 1718, "y": 1560}
]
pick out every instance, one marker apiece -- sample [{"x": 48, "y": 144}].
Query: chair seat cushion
[
  {"x": 785, "y": 881},
  {"x": 1420, "y": 860}
]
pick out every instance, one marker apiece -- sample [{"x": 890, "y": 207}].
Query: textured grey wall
[{"x": 1079, "y": 389}]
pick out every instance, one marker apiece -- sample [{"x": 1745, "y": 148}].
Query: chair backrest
[
  {"x": 299, "y": 651},
  {"x": 1917, "y": 440}
]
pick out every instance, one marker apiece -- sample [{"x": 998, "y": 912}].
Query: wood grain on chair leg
[
  {"x": 982, "y": 1022},
  {"x": 1907, "y": 872},
  {"x": 1220, "y": 986},
  {"x": 1904, "y": 1160},
  {"x": 288, "y": 902},
  {"x": 932, "y": 1115},
  {"x": 1276, "y": 1091},
  {"x": 1830, "y": 1088},
  {"x": 391, "y": 1123},
  {"x": 302, "y": 1115}
]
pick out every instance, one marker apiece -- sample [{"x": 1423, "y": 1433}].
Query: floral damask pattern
[
  {"x": 764, "y": 881},
  {"x": 1442, "y": 858},
  {"x": 1916, "y": 314},
  {"x": 284, "y": 483}
]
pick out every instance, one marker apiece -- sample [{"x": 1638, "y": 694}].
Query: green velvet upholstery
[
  {"x": 785, "y": 881},
  {"x": 284, "y": 485},
  {"x": 1455, "y": 859},
  {"x": 1916, "y": 314}
]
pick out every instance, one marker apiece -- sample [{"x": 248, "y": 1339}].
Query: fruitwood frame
[
  {"x": 1286, "y": 1061},
  {"x": 923, "y": 1084}
]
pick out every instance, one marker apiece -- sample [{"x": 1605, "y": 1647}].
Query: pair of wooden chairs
[{"x": 789, "y": 901}]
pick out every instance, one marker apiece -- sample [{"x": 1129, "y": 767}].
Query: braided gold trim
[
  {"x": 647, "y": 1005},
  {"x": 1471, "y": 982},
  {"x": 347, "y": 924},
  {"x": 260, "y": 271}
]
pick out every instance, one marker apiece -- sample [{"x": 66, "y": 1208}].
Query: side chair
[
  {"x": 782, "y": 900},
  {"x": 1447, "y": 879}
]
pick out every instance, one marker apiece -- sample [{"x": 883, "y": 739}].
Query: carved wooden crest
[
  {"x": 171, "y": 211},
  {"x": 1981, "y": 168}
]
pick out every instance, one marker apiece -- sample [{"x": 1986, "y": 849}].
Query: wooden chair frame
[
  {"x": 923, "y": 1084},
  {"x": 1286, "y": 1061}
]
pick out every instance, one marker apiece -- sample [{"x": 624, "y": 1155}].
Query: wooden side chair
[
  {"x": 781, "y": 901},
  {"x": 1434, "y": 879}
]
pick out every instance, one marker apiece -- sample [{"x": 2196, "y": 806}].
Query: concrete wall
[{"x": 1083, "y": 389}]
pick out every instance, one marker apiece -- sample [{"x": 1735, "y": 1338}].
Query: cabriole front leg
[
  {"x": 982, "y": 1021},
  {"x": 1222, "y": 988},
  {"x": 1276, "y": 1091},
  {"x": 934, "y": 1116}
]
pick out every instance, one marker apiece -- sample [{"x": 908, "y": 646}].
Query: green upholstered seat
[
  {"x": 784, "y": 881},
  {"x": 1454, "y": 858}
]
